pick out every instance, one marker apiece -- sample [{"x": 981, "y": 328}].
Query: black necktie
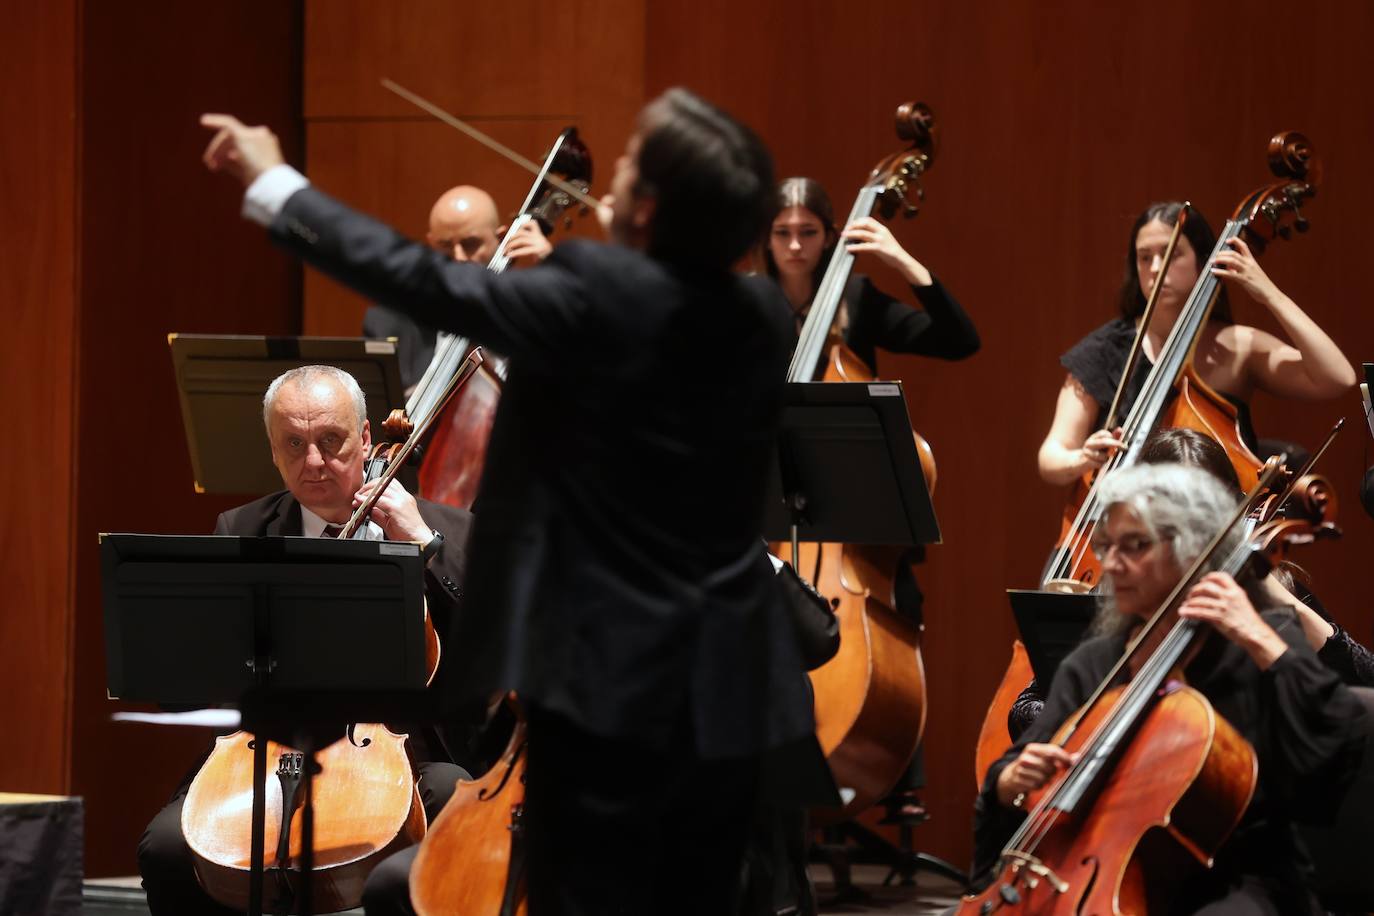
[{"x": 331, "y": 531}]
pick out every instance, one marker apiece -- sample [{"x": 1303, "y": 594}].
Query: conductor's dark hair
[
  {"x": 1131, "y": 301},
  {"x": 711, "y": 179}
]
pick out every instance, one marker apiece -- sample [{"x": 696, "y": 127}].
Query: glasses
[{"x": 1131, "y": 547}]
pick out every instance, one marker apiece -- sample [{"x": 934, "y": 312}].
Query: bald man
[{"x": 465, "y": 225}]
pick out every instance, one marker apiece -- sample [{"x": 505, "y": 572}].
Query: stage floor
[{"x": 930, "y": 895}]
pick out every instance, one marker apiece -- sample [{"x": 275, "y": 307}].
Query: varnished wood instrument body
[
  {"x": 1171, "y": 799},
  {"x": 463, "y": 867},
  {"x": 454, "y": 459},
  {"x": 366, "y": 807},
  {"x": 993, "y": 737}
]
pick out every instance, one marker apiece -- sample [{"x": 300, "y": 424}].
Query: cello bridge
[{"x": 1038, "y": 869}]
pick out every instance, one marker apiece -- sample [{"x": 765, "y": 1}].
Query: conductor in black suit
[
  {"x": 317, "y": 426},
  {"x": 617, "y": 579}
]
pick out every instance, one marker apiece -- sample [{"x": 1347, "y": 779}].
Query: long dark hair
[
  {"x": 1131, "y": 301},
  {"x": 1180, "y": 445},
  {"x": 808, "y": 194}
]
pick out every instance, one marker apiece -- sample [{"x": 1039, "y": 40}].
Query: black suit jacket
[
  {"x": 617, "y": 574},
  {"x": 414, "y": 341}
]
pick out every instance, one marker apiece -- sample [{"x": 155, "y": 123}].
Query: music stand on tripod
[
  {"x": 304, "y": 634},
  {"x": 848, "y": 472}
]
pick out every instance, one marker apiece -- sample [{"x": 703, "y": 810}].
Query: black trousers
[
  {"x": 169, "y": 878},
  {"x": 618, "y": 828}
]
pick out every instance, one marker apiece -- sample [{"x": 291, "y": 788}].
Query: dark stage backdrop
[{"x": 1060, "y": 122}]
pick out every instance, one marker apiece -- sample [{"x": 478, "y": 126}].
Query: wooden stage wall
[{"x": 1060, "y": 121}]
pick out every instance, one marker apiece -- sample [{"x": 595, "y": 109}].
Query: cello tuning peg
[
  {"x": 1301, "y": 224},
  {"x": 1285, "y": 233},
  {"x": 911, "y": 210}
]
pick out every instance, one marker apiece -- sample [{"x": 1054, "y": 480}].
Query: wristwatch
[{"x": 428, "y": 551}]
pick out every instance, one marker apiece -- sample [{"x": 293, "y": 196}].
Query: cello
[
  {"x": 1160, "y": 780},
  {"x": 457, "y": 448},
  {"x": 870, "y": 701},
  {"x": 469, "y": 863},
  {"x": 365, "y": 799},
  {"x": 1174, "y": 395}
]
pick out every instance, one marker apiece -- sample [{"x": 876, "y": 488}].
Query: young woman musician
[
  {"x": 1260, "y": 674},
  {"x": 1234, "y": 359},
  {"x": 800, "y": 242},
  {"x": 801, "y": 239}
]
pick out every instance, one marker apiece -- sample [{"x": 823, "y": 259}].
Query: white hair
[
  {"x": 1181, "y": 506},
  {"x": 302, "y": 376}
]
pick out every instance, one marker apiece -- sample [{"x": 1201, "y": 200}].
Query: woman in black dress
[
  {"x": 800, "y": 242},
  {"x": 1235, "y": 360}
]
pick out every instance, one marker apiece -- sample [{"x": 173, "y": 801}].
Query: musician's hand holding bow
[
  {"x": 396, "y": 512},
  {"x": 1036, "y": 765},
  {"x": 1100, "y": 446},
  {"x": 1220, "y": 601},
  {"x": 242, "y": 151}
]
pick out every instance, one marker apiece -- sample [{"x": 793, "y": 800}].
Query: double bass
[
  {"x": 457, "y": 449},
  {"x": 870, "y": 699},
  {"x": 365, "y": 799},
  {"x": 1174, "y": 395},
  {"x": 1160, "y": 780}
]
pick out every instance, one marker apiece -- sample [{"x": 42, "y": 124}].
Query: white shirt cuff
[{"x": 270, "y": 191}]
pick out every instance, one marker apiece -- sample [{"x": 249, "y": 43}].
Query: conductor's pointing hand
[{"x": 241, "y": 151}]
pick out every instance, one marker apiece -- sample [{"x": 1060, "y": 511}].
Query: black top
[
  {"x": 940, "y": 328},
  {"x": 616, "y": 573},
  {"x": 1351, "y": 661},
  {"x": 1098, "y": 360},
  {"x": 1306, "y": 729}
]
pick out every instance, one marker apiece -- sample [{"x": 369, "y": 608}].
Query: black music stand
[
  {"x": 1051, "y": 625},
  {"x": 221, "y": 380},
  {"x": 305, "y": 634},
  {"x": 848, "y": 472}
]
